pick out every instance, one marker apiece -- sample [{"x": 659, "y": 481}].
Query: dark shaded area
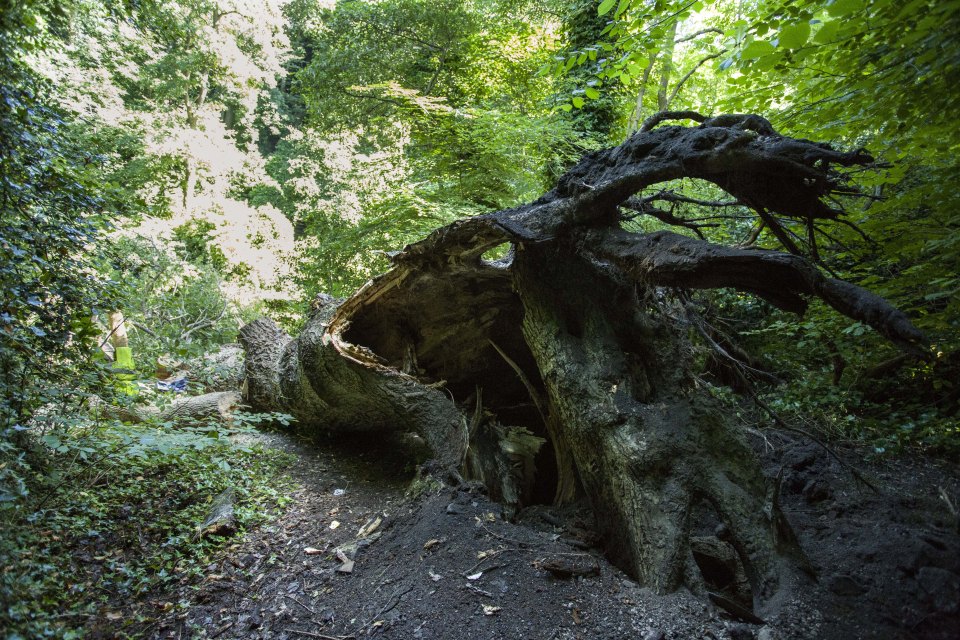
[{"x": 884, "y": 562}]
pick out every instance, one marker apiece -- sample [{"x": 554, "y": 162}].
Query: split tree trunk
[
  {"x": 328, "y": 384},
  {"x": 574, "y": 338}
]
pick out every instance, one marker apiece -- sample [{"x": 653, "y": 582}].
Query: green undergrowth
[
  {"x": 99, "y": 538},
  {"x": 849, "y": 415}
]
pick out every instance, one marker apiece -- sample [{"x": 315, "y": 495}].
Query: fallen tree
[
  {"x": 218, "y": 405},
  {"x": 572, "y": 338}
]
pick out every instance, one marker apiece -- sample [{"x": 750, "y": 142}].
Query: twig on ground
[
  {"x": 489, "y": 555},
  {"x": 311, "y": 634},
  {"x": 300, "y": 603},
  {"x": 504, "y": 538},
  {"x": 477, "y": 590},
  {"x": 397, "y": 595},
  {"x": 950, "y": 507}
]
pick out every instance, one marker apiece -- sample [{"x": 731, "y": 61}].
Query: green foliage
[
  {"x": 115, "y": 516},
  {"x": 192, "y": 242},
  {"x": 55, "y": 206},
  {"x": 870, "y": 73},
  {"x": 416, "y": 113},
  {"x": 176, "y": 308},
  {"x": 426, "y": 45},
  {"x": 882, "y": 71}
]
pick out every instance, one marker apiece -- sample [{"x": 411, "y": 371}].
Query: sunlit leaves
[
  {"x": 757, "y": 49},
  {"x": 839, "y": 8},
  {"x": 439, "y": 114},
  {"x": 794, "y": 36},
  {"x": 827, "y": 32},
  {"x": 65, "y": 184}
]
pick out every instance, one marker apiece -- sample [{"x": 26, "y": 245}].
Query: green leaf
[
  {"x": 794, "y": 36},
  {"x": 51, "y": 440},
  {"x": 757, "y": 49},
  {"x": 578, "y": 102},
  {"x": 592, "y": 93},
  {"x": 605, "y": 7},
  {"x": 766, "y": 63},
  {"x": 827, "y": 32},
  {"x": 839, "y": 8}
]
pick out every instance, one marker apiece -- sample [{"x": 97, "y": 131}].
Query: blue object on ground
[{"x": 179, "y": 385}]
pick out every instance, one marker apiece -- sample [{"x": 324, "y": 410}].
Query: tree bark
[
  {"x": 219, "y": 405},
  {"x": 648, "y": 445},
  {"x": 328, "y": 383},
  {"x": 575, "y": 337}
]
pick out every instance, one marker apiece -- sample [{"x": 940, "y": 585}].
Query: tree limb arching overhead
[{"x": 435, "y": 344}]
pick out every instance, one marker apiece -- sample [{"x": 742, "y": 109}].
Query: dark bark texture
[{"x": 573, "y": 338}]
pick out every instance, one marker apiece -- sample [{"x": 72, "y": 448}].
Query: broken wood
[
  {"x": 570, "y": 565},
  {"x": 220, "y": 520},
  {"x": 576, "y": 337},
  {"x": 219, "y": 406}
]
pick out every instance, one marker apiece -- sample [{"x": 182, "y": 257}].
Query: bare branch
[
  {"x": 683, "y": 80},
  {"x": 673, "y": 196},
  {"x": 143, "y": 327},
  {"x": 863, "y": 234},
  {"x": 812, "y": 240},
  {"x": 667, "y": 259},
  {"x": 203, "y": 323},
  {"x": 779, "y": 232},
  {"x": 694, "y": 36},
  {"x": 754, "y": 234},
  {"x": 642, "y": 207},
  {"x": 657, "y": 118}
]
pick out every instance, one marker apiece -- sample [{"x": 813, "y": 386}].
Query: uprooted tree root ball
[{"x": 574, "y": 338}]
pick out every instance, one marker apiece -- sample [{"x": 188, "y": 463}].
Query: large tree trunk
[
  {"x": 648, "y": 445},
  {"x": 573, "y": 338}
]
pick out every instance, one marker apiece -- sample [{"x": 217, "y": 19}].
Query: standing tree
[{"x": 582, "y": 336}]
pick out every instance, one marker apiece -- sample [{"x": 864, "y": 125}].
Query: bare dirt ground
[{"x": 447, "y": 566}]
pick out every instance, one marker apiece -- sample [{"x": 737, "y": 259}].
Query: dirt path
[{"x": 448, "y": 567}]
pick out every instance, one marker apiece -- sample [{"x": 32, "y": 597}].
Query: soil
[{"x": 446, "y": 565}]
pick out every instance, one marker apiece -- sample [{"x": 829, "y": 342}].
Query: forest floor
[{"x": 447, "y": 566}]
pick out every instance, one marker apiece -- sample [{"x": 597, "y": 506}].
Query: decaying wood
[
  {"x": 572, "y": 338},
  {"x": 219, "y": 405},
  {"x": 332, "y": 385},
  {"x": 220, "y": 519},
  {"x": 570, "y": 565}
]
